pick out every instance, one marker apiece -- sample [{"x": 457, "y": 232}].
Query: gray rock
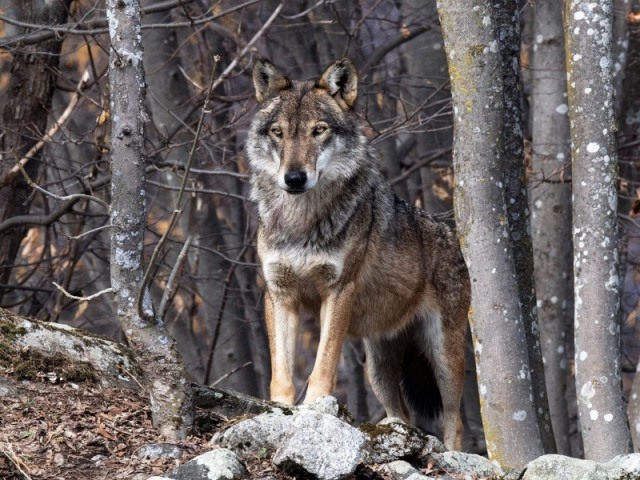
[
  {"x": 220, "y": 464},
  {"x": 305, "y": 440},
  {"x": 629, "y": 463},
  {"x": 326, "y": 404},
  {"x": 460, "y": 463},
  {"x": 153, "y": 451},
  {"x": 434, "y": 445},
  {"x": 260, "y": 435},
  {"x": 401, "y": 470},
  {"x": 559, "y": 467},
  {"x": 392, "y": 439},
  {"x": 7, "y": 388},
  {"x": 321, "y": 446}
]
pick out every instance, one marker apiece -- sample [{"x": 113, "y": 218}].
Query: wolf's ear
[
  {"x": 340, "y": 79},
  {"x": 268, "y": 80}
]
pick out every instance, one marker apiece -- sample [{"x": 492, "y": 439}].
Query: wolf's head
[{"x": 304, "y": 131}]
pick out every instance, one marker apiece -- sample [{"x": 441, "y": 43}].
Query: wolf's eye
[
  {"x": 276, "y": 131},
  {"x": 320, "y": 129}
]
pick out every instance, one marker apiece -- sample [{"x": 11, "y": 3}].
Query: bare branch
[
  {"x": 99, "y": 26},
  {"x": 8, "y": 452},
  {"x": 176, "y": 213},
  {"x": 73, "y": 196},
  {"x": 228, "y": 374},
  {"x": 82, "y": 299},
  {"x": 168, "y": 290},
  {"x": 52, "y": 131}
]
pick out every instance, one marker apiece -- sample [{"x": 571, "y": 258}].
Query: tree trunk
[
  {"x": 509, "y": 417},
  {"x": 550, "y": 201},
  {"x": 508, "y": 24},
  {"x": 170, "y": 392},
  {"x": 629, "y": 210},
  {"x": 603, "y": 418},
  {"x": 31, "y": 86}
]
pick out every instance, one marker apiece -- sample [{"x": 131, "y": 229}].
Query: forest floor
[
  {"x": 74, "y": 431},
  {"x": 80, "y": 431}
]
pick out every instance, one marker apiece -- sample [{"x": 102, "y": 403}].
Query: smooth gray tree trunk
[
  {"x": 550, "y": 201},
  {"x": 509, "y": 417},
  {"x": 603, "y": 419},
  {"x": 165, "y": 378}
]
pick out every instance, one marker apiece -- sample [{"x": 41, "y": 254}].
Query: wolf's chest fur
[{"x": 308, "y": 271}]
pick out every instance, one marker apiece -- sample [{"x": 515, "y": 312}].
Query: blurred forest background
[{"x": 205, "y": 281}]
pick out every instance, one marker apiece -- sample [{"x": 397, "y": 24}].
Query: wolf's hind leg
[
  {"x": 445, "y": 340},
  {"x": 384, "y": 368}
]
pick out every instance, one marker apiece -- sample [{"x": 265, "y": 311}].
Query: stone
[
  {"x": 460, "y": 463},
  {"x": 392, "y": 439},
  {"x": 220, "y": 464},
  {"x": 559, "y": 467},
  {"x": 154, "y": 451},
  {"x": 260, "y": 435},
  {"x": 401, "y": 470},
  {"x": 320, "y": 446}
]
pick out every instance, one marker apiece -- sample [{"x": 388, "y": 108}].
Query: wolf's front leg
[
  {"x": 335, "y": 317},
  {"x": 282, "y": 318}
]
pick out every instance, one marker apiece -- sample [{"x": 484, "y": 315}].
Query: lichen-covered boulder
[
  {"x": 320, "y": 446},
  {"x": 392, "y": 439},
  {"x": 309, "y": 440},
  {"x": 559, "y": 467}
]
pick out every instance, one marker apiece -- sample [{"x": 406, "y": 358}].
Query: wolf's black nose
[{"x": 295, "y": 179}]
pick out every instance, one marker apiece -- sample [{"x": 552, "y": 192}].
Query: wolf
[{"x": 334, "y": 240}]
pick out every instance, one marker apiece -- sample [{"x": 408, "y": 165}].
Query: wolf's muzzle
[{"x": 295, "y": 180}]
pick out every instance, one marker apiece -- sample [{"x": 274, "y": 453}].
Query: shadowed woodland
[{"x": 203, "y": 277}]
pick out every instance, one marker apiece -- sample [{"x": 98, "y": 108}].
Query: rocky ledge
[{"x": 319, "y": 442}]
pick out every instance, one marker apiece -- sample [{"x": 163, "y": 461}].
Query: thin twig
[
  {"x": 228, "y": 374},
  {"x": 121, "y": 367},
  {"x": 177, "y": 211},
  {"x": 168, "y": 290},
  {"x": 218, "y": 323},
  {"x": 83, "y": 299},
  {"x": 88, "y": 232},
  {"x": 62, "y": 198},
  {"x": 99, "y": 26},
  {"x": 212, "y": 86},
  {"x": 52, "y": 131},
  {"x": 13, "y": 458}
]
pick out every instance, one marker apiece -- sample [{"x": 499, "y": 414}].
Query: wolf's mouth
[{"x": 295, "y": 191}]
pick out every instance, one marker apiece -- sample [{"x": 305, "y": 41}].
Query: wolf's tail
[{"x": 419, "y": 383}]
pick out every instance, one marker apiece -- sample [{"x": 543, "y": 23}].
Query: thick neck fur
[{"x": 320, "y": 217}]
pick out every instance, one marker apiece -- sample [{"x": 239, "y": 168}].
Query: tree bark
[
  {"x": 550, "y": 201},
  {"x": 508, "y": 23},
  {"x": 509, "y": 417},
  {"x": 603, "y": 420},
  {"x": 170, "y": 392},
  {"x": 31, "y": 86},
  {"x": 629, "y": 210}
]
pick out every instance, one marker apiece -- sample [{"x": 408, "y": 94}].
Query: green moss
[
  {"x": 375, "y": 430},
  {"x": 10, "y": 330},
  {"x": 476, "y": 50},
  {"x": 31, "y": 365}
]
